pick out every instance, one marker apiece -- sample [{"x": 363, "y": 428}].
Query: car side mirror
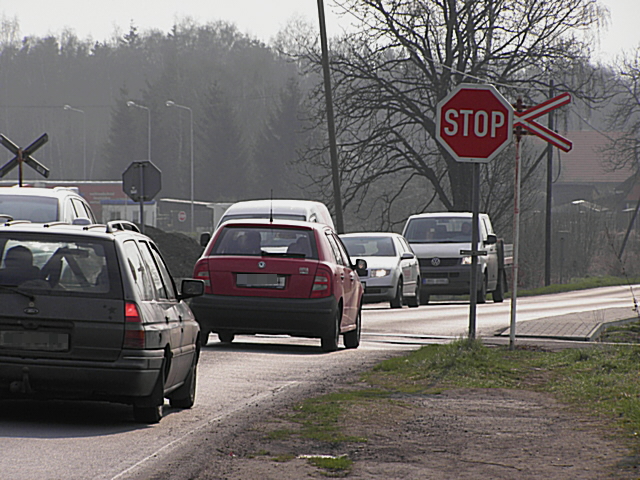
[
  {"x": 491, "y": 239},
  {"x": 407, "y": 256},
  {"x": 204, "y": 239},
  {"x": 191, "y": 287},
  {"x": 361, "y": 267}
]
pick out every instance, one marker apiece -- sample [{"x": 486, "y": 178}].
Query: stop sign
[
  {"x": 474, "y": 123},
  {"x": 141, "y": 180}
]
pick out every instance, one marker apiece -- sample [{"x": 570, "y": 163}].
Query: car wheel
[
  {"x": 397, "y": 300},
  {"x": 226, "y": 337},
  {"x": 415, "y": 300},
  {"x": 424, "y": 298},
  {"x": 149, "y": 409},
  {"x": 204, "y": 337},
  {"x": 329, "y": 342},
  {"x": 352, "y": 338},
  {"x": 498, "y": 293},
  {"x": 185, "y": 396},
  {"x": 482, "y": 293}
]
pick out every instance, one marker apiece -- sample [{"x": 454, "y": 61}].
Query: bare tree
[{"x": 389, "y": 77}]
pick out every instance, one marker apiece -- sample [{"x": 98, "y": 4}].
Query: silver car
[{"x": 393, "y": 273}]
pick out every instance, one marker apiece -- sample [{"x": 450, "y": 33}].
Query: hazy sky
[{"x": 260, "y": 18}]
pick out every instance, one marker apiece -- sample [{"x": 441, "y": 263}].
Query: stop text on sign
[
  {"x": 484, "y": 123},
  {"x": 474, "y": 123}
]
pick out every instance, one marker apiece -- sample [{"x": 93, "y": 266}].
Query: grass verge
[{"x": 603, "y": 381}]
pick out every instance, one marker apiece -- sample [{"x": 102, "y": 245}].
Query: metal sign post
[
  {"x": 524, "y": 121},
  {"x": 474, "y": 124},
  {"x": 141, "y": 181}
]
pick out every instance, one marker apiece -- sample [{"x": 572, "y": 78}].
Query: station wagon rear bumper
[
  {"x": 133, "y": 375},
  {"x": 266, "y": 315}
]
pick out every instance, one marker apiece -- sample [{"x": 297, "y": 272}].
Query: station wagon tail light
[
  {"x": 133, "y": 331},
  {"x": 202, "y": 273},
  {"x": 321, "y": 284}
]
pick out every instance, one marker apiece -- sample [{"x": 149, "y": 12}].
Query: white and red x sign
[{"x": 525, "y": 120}]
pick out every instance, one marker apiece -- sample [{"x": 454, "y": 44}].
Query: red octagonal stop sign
[{"x": 474, "y": 123}]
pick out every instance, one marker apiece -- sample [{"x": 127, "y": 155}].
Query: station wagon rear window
[
  {"x": 263, "y": 240},
  {"x": 59, "y": 265}
]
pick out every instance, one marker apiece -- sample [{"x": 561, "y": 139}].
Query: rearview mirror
[
  {"x": 204, "y": 239},
  {"x": 361, "y": 267}
]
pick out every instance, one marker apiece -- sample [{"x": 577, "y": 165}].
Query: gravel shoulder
[{"x": 457, "y": 434}]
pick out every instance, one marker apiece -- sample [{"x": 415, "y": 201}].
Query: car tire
[
  {"x": 414, "y": 301},
  {"x": 482, "y": 293},
  {"x": 498, "y": 293},
  {"x": 204, "y": 337},
  {"x": 352, "y": 338},
  {"x": 424, "y": 298},
  {"x": 329, "y": 342},
  {"x": 149, "y": 409},
  {"x": 397, "y": 301},
  {"x": 185, "y": 396},
  {"x": 226, "y": 337}
]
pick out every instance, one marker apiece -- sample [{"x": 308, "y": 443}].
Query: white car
[
  {"x": 45, "y": 205},
  {"x": 393, "y": 273}
]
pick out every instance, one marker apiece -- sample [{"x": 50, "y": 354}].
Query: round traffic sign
[
  {"x": 182, "y": 216},
  {"x": 474, "y": 123}
]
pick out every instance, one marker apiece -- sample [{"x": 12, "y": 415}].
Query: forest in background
[{"x": 259, "y": 123}]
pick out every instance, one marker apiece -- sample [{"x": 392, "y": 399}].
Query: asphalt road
[{"x": 80, "y": 440}]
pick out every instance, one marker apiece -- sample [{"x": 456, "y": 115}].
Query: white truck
[{"x": 438, "y": 240}]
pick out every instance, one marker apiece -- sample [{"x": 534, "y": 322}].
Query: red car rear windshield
[{"x": 265, "y": 240}]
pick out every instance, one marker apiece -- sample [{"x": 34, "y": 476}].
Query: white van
[{"x": 303, "y": 210}]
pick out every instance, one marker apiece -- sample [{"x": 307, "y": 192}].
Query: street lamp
[
  {"x": 131, "y": 103},
  {"x": 173, "y": 104},
  {"x": 84, "y": 137}
]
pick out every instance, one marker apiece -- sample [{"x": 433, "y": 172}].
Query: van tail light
[
  {"x": 134, "y": 334},
  {"x": 201, "y": 272},
  {"x": 321, "y": 283}
]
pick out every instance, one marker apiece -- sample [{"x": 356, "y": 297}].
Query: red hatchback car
[{"x": 279, "y": 277}]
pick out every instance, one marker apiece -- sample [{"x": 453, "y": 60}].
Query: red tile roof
[{"x": 585, "y": 163}]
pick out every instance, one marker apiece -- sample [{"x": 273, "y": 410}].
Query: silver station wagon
[{"x": 92, "y": 313}]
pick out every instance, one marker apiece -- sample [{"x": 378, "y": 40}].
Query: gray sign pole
[
  {"x": 141, "y": 189},
  {"x": 475, "y": 207}
]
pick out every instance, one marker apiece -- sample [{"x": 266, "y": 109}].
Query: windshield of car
[
  {"x": 439, "y": 230},
  {"x": 264, "y": 240},
  {"x": 369, "y": 246},
  {"x": 35, "y": 208},
  {"x": 58, "y": 264}
]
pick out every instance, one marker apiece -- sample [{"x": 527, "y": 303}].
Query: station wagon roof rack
[{"x": 121, "y": 225}]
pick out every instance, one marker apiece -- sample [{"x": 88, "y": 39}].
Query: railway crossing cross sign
[{"x": 23, "y": 156}]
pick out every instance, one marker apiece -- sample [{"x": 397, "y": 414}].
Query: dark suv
[{"x": 91, "y": 312}]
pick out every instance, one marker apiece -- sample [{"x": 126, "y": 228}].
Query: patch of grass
[
  {"x": 280, "y": 434},
  {"x": 625, "y": 333},
  {"x": 320, "y": 418},
  {"x": 283, "y": 458},
  {"x": 342, "y": 464},
  {"x": 580, "y": 284},
  {"x": 604, "y": 380}
]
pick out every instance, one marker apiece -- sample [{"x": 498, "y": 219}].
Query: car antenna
[{"x": 271, "y": 208}]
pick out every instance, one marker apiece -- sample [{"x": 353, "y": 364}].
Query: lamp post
[
  {"x": 173, "y": 104},
  {"x": 131, "y": 103},
  {"x": 84, "y": 137}
]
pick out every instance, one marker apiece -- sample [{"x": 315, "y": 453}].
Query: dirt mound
[{"x": 179, "y": 250}]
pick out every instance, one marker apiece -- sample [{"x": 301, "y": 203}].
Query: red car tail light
[
  {"x": 321, "y": 284},
  {"x": 134, "y": 334},
  {"x": 201, "y": 272}
]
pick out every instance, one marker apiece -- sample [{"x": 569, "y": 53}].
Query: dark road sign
[
  {"x": 141, "y": 181},
  {"x": 24, "y": 156}
]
